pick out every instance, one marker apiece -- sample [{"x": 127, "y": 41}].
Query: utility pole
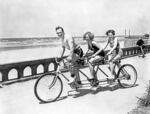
[{"x": 125, "y": 33}]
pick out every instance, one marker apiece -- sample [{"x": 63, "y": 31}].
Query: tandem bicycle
[{"x": 49, "y": 86}]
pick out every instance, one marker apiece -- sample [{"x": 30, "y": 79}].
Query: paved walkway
[{"x": 19, "y": 98}]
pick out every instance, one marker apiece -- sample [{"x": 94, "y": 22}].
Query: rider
[
  {"x": 115, "y": 52},
  {"x": 97, "y": 55},
  {"x": 68, "y": 42},
  {"x": 140, "y": 43}
]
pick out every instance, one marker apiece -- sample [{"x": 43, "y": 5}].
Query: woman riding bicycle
[
  {"x": 98, "y": 55},
  {"x": 115, "y": 52}
]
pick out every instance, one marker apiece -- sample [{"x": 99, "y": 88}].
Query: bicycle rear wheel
[
  {"x": 48, "y": 88},
  {"x": 127, "y": 76}
]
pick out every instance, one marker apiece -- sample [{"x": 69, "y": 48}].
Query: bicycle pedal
[
  {"x": 75, "y": 86},
  {"x": 94, "y": 88},
  {"x": 73, "y": 92},
  {"x": 114, "y": 86}
]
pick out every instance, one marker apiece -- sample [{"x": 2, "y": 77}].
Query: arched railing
[{"x": 20, "y": 67}]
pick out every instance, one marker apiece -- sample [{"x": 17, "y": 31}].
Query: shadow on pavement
[
  {"x": 111, "y": 88},
  {"x": 59, "y": 99},
  {"x": 82, "y": 92}
]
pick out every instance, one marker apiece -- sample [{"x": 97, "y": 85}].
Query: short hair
[
  {"x": 59, "y": 27},
  {"x": 91, "y": 35},
  {"x": 110, "y": 31}
]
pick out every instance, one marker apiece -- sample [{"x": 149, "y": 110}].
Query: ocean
[
  {"x": 20, "y": 43},
  {"x": 14, "y": 50}
]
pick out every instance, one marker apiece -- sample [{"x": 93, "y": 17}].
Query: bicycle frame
[
  {"x": 117, "y": 63},
  {"x": 59, "y": 72}
]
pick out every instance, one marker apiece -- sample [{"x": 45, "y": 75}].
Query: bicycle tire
[
  {"x": 127, "y": 80},
  {"x": 46, "y": 85}
]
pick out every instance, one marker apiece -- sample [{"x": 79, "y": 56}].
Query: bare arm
[
  {"x": 71, "y": 45},
  {"x": 87, "y": 53},
  {"x": 106, "y": 45},
  {"x": 61, "y": 52},
  {"x": 97, "y": 45}
]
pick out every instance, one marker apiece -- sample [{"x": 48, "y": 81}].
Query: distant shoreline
[
  {"x": 31, "y": 46},
  {"x": 8, "y": 48},
  {"x": 25, "y": 47}
]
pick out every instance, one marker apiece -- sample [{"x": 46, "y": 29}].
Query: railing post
[
  {"x": 34, "y": 69},
  {"x": 20, "y": 72},
  {"x": 4, "y": 75},
  {"x": 45, "y": 67},
  {"x": 55, "y": 66}
]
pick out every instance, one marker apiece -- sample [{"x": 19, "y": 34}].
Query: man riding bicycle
[
  {"x": 68, "y": 42},
  {"x": 140, "y": 43}
]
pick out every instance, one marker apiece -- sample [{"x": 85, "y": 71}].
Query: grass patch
[{"x": 143, "y": 103}]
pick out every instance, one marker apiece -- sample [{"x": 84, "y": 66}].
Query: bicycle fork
[
  {"x": 54, "y": 79},
  {"x": 53, "y": 82}
]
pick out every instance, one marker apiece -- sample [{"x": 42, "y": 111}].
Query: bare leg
[
  {"x": 113, "y": 63},
  {"x": 74, "y": 71},
  {"x": 77, "y": 76},
  {"x": 142, "y": 51},
  {"x": 91, "y": 67},
  {"x": 92, "y": 61},
  {"x": 112, "y": 69},
  {"x": 93, "y": 79}
]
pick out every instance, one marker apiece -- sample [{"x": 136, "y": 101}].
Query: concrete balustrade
[
  {"x": 5, "y": 69},
  {"x": 45, "y": 64}
]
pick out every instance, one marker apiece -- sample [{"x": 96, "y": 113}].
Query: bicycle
[{"x": 52, "y": 83}]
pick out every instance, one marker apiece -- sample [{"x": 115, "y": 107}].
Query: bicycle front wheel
[
  {"x": 127, "y": 75},
  {"x": 48, "y": 88}
]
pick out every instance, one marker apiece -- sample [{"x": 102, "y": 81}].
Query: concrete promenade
[{"x": 19, "y": 98}]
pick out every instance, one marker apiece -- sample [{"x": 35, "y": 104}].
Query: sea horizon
[{"x": 7, "y": 44}]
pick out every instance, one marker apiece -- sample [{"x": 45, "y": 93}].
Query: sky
[{"x": 38, "y": 18}]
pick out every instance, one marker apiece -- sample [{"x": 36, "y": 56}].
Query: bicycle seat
[
  {"x": 99, "y": 62},
  {"x": 117, "y": 61},
  {"x": 80, "y": 62}
]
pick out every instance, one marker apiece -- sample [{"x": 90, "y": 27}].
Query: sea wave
[{"x": 25, "y": 43}]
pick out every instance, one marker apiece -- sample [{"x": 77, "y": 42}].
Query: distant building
[{"x": 146, "y": 35}]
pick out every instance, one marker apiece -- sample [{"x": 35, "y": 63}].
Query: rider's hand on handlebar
[
  {"x": 106, "y": 57},
  {"x": 93, "y": 56},
  {"x": 109, "y": 53},
  {"x": 58, "y": 60}
]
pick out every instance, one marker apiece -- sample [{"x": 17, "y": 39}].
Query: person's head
[
  {"x": 88, "y": 36},
  {"x": 59, "y": 31},
  {"x": 110, "y": 33}
]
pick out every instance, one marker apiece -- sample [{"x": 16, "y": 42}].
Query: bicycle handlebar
[
  {"x": 86, "y": 56},
  {"x": 58, "y": 60}
]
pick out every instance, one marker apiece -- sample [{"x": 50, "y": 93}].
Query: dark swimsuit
[
  {"x": 94, "y": 48},
  {"x": 79, "y": 51}
]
